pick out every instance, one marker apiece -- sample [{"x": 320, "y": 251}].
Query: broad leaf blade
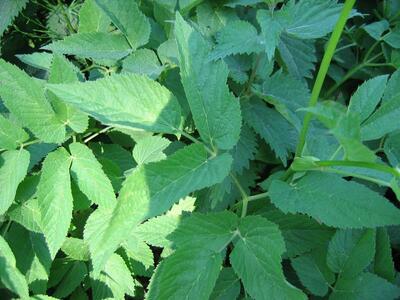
[
  {"x": 238, "y": 37},
  {"x": 256, "y": 258},
  {"x": 24, "y": 97},
  {"x": 127, "y": 17},
  {"x": 333, "y": 200},
  {"x": 55, "y": 199},
  {"x": 211, "y": 231},
  {"x": 90, "y": 177},
  {"x": 11, "y": 135},
  {"x": 10, "y": 276},
  {"x": 128, "y": 101},
  {"x": 94, "y": 45},
  {"x": 351, "y": 251},
  {"x": 187, "y": 273},
  {"x": 13, "y": 168}
]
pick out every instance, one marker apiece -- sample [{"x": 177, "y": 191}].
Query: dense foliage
[{"x": 194, "y": 149}]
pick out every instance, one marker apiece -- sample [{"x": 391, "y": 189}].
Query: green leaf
[
  {"x": 215, "y": 110},
  {"x": 333, "y": 201},
  {"x": 76, "y": 249},
  {"x": 11, "y": 135},
  {"x": 127, "y": 101},
  {"x": 298, "y": 56},
  {"x": 10, "y": 276},
  {"x": 127, "y": 17},
  {"x": 139, "y": 251},
  {"x": 90, "y": 177},
  {"x": 393, "y": 38},
  {"x": 288, "y": 94},
  {"x": 32, "y": 256},
  {"x": 311, "y": 19},
  {"x": 143, "y": 61},
  {"x": 150, "y": 149},
  {"x": 383, "y": 262},
  {"x": 381, "y": 121},
  {"x": 237, "y": 37},
  {"x": 212, "y": 19},
  {"x": 8, "y": 11},
  {"x": 13, "y": 168},
  {"x": 227, "y": 286},
  {"x": 365, "y": 286},
  {"x": 31, "y": 104},
  {"x": 156, "y": 230},
  {"x": 367, "y": 97},
  {"x": 313, "y": 272},
  {"x": 351, "y": 251},
  {"x": 155, "y": 187},
  {"x": 55, "y": 199},
  {"x": 301, "y": 233},
  {"x": 188, "y": 273},
  {"x": 186, "y": 5},
  {"x": 256, "y": 258},
  {"x": 92, "y": 18},
  {"x": 95, "y": 45},
  {"x": 245, "y": 150},
  {"x": 71, "y": 280},
  {"x": 114, "y": 282},
  {"x": 392, "y": 88},
  {"x": 376, "y": 29},
  {"x": 39, "y": 60},
  {"x": 392, "y": 149},
  {"x": 271, "y": 30},
  {"x": 63, "y": 71},
  {"x": 272, "y": 127},
  {"x": 211, "y": 231}
]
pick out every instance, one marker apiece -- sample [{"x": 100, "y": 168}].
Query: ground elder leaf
[{"x": 332, "y": 201}]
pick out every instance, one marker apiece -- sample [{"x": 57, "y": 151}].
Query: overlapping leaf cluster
[{"x": 154, "y": 154}]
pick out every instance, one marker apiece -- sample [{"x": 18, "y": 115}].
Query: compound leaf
[
  {"x": 149, "y": 191},
  {"x": 215, "y": 110},
  {"x": 256, "y": 258}
]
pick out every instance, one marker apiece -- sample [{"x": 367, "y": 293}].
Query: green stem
[
  {"x": 91, "y": 137},
  {"x": 252, "y": 198},
  {"x": 326, "y": 60},
  {"x": 194, "y": 140},
  {"x": 6, "y": 228},
  {"x": 245, "y": 198},
  {"x": 359, "y": 164}
]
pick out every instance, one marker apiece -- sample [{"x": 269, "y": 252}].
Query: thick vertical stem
[{"x": 329, "y": 52}]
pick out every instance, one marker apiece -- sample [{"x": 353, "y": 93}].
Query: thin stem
[
  {"x": 30, "y": 143},
  {"x": 6, "y": 228},
  {"x": 242, "y": 192},
  {"x": 359, "y": 164},
  {"x": 252, "y": 198},
  {"x": 194, "y": 140},
  {"x": 253, "y": 75},
  {"x": 91, "y": 137},
  {"x": 326, "y": 60}
]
